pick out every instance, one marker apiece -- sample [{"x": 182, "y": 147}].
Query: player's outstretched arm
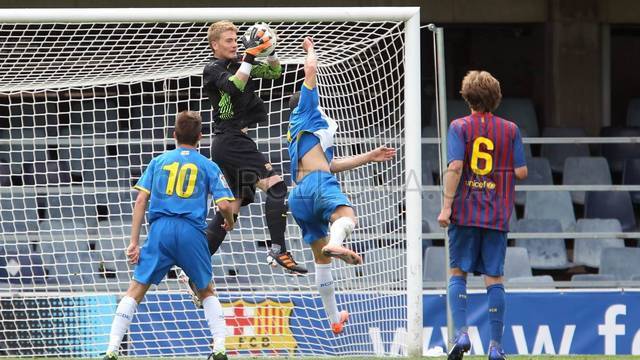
[
  {"x": 379, "y": 154},
  {"x": 310, "y": 63},
  {"x": 133, "y": 251}
]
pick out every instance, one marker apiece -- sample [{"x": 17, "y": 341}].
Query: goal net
[{"x": 84, "y": 107}]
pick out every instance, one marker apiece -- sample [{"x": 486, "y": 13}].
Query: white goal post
[{"x": 88, "y": 97}]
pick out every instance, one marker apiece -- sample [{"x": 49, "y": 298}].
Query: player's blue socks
[
  {"x": 458, "y": 302},
  {"x": 496, "y": 312}
]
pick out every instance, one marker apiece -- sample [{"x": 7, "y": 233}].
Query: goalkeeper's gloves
[{"x": 255, "y": 43}]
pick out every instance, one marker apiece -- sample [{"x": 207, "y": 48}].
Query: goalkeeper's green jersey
[{"x": 235, "y": 104}]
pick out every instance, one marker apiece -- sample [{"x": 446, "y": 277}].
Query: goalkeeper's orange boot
[
  {"x": 342, "y": 253},
  {"x": 284, "y": 259},
  {"x": 339, "y": 326}
]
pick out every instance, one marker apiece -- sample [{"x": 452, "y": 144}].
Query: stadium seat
[
  {"x": 383, "y": 266},
  {"x": 18, "y": 213},
  {"x": 631, "y": 176},
  {"x": 538, "y": 282},
  {"x": 5, "y": 174},
  {"x": 513, "y": 220},
  {"x": 517, "y": 263},
  {"x": 610, "y": 205},
  {"x": 585, "y": 171},
  {"x": 633, "y": 112},
  {"x": 520, "y": 111},
  {"x": 593, "y": 277},
  {"x": 46, "y": 173},
  {"x": 587, "y": 251},
  {"x": 456, "y": 108},
  {"x": 622, "y": 263},
  {"x": 21, "y": 267},
  {"x": 543, "y": 253},
  {"x": 558, "y": 153},
  {"x": 539, "y": 174},
  {"x": 431, "y": 205},
  {"x": 618, "y": 153},
  {"x": 551, "y": 205},
  {"x": 430, "y": 152},
  {"x": 433, "y": 264}
]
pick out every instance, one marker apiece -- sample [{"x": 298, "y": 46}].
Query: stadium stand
[
  {"x": 633, "y": 112},
  {"x": 522, "y": 112},
  {"x": 544, "y": 254},
  {"x": 615, "y": 261},
  {"x": 617, "y": 153},
  {"x": 551, "y": 205},
  {"x": 631, "y": 176},
  {"x": 539, "y": 174},
  {"x": 587, "y": 251}
]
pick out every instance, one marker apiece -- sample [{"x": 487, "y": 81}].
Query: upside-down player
[
  {"x": 178, "y": 184},
  {"x": 485, "y": 153},
  {"x": 317, "y": 200}
]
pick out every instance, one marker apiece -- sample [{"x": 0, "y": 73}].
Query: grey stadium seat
[
  {"x": 430, "y": 152},
  {"x": 539, "y": 174},
  {"x": 587, "y": 251},
  {"x": 431, "y": 205},
  {"x": 611, "y": 205},
  {"x": 551, "y": 205},
  {"x": 539, "y": 281},
  {"x": 593, "y": 277},
  {"x": 434, "y": 264},
  {"x": 558, "y": 153},
  {"x": 520, "y": 111},
  {"x": 544, "y": 253},
  {"x": 622, "y": 263},
  {"x": 456, "y": 108},
  {"x": 633, "y": 112},
  {"x": 18, "y": 213},
  {"x": 585, "y": 171},
  {"x": 516, "y": 263}
]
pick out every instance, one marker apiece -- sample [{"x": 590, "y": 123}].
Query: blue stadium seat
[
  {"x": 633, "y": 112},
  {"x": 431, "y": 205},
  {"x": 539, "y": 174},
  {"x": 382, "y": 266},
  {"x": 520, "y": 111},
  {"x": 551, "y": 205},
  {"x": 543, "y": 253},
  {"x": 587, "y": 251},
  {"x": 558, "y": 153},
  {"x": 622, "y": 263},
  {"x": 618, "y": 153},
  {"x": 610, "y": 205},
  {"x": 593, "y": 277},
  {"x": 430, "y": 157},
  {"x": 585, "y": 171},
  {"x": 631, "y": 176}
]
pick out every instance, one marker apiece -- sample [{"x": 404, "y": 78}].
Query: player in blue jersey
[
  {"x": 177, "y": 185},
  {"x": 317, "y": 200}
]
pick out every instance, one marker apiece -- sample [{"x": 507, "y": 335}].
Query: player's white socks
[
  {"x": 340, "y": 229},
  {"x": 327, "y": 290},
  {"x": 215, "y": 318},
  {"x": 121, "y": 321}
]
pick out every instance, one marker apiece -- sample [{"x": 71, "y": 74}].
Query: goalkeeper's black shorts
[{"x": 243, "y": 165}]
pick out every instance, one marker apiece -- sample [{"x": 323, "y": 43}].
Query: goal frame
[{"x": 412, "y": 112}]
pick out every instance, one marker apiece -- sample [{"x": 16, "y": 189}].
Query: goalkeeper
[
  {"x": 317, "y": 199},
  {"x": 178, "y": 184},
  {"x": 235, "y": 108}
]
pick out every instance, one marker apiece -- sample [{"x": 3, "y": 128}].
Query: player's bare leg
[
  {"x": 276, "y": 217},
  {"x": 124, "y": 313},
  {"x": 343, "y": 221},
  {"x": 326, "y": 288}
]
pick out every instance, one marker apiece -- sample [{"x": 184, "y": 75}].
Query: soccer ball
[{"x": 253, "y": 29}]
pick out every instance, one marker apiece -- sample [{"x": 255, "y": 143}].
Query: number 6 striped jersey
[
  {"x": 179, "y": 182},
  {"x": 490, "y": 148}
]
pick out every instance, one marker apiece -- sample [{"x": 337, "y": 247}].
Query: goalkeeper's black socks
[{"x": 276, "y": 214}]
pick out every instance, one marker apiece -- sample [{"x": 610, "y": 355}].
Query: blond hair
[
  {"x": 481, "y": 91},
  {"x": 217, "y": 28}
]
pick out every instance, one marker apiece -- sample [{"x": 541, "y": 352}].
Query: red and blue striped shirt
[{"x": 490, "y": 148}]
